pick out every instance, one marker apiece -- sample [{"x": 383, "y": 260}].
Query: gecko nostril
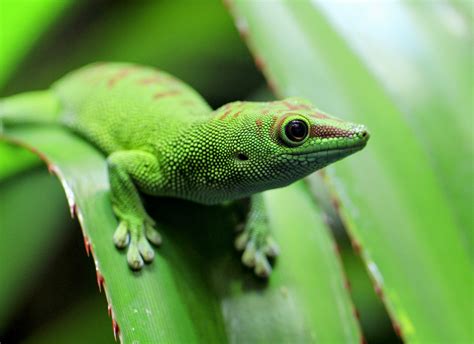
[
  {"x": 364, "y": 134},
  {"x": 242, "y": 157}
]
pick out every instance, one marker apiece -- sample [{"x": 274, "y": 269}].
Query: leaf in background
[
  {"x": 14, "y": 159},
  {"x": 391, "y": 199},
  {"x": 30, "y": 231},
  {"x": 80, "y": 324},
  {"x": 21, "y": 23},
  {"x": 432, "y": 85},
  {"x": 197, "y": 290}
]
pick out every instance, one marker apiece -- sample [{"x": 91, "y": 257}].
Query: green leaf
[
  {"x": 81, "y": 323},
  {"x": 14, "y": 159},
  {"x": 392, "y": 199},
  {"x": 197, "y": 290},
  {"x": 30, "y": 231},
  {"x": 22, "y": 22}
]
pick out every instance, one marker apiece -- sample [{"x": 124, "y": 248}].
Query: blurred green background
[{"x": 412, "y": 79}]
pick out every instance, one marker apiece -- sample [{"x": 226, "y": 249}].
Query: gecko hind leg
[
  {"x": 136, "y": 228},
  {"x": 255, "y": 240}
]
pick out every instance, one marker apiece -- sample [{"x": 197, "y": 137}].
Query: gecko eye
[{"x": 295, "y": 131}]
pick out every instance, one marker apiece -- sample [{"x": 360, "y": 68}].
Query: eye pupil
[{"x": 296, "y": 130}]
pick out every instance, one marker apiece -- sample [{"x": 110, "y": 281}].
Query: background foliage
[{"x": 403, "y": 69}]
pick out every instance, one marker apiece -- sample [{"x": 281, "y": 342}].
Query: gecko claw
[
  {"x": 256, "y": 252},
  {"x": 137, "y": 234}
]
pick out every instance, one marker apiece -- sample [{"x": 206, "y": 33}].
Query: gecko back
[{"x": 119, "y": 106}]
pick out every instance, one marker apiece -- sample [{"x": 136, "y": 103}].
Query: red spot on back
[
  {"x": 225, "y": 114},
  {"x": 119, "y": 76},
  {"x": 188, "y": 102},
  {"x": 160, "y": 95},
  {"x": 237, "y": 114},
  {"x": 156, "y": 79}
]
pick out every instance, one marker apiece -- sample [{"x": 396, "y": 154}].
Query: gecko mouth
[{"x": 330, "y": 152}]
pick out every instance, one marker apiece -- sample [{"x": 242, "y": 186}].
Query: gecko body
[{"x": 162, "y": 138}]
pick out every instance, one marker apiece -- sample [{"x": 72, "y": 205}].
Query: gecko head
[{"x": 254, "y": 147}]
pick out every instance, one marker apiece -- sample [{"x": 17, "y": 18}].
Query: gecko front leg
[
  {"x": 255, "y": 240},
  {"x": 136, "y": 228}
]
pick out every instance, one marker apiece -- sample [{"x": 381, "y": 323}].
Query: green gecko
[{"x": 163, "y": 139}]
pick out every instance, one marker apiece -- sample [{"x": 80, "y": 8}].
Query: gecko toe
[
  {"x": 146, "y": 251},
  {"x": 121, "y": 236},
  {"x": 271, "y": 248},
  {"x": 262, "y": 266},
  {"x": 135, "y": 261},
  {"x": 248, "y": 257},
  {"x": 241, "y": 241},
  {"x": 153, "y": 235}
]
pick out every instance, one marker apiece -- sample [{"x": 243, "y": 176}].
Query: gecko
[{"x": 161, "y": 138}]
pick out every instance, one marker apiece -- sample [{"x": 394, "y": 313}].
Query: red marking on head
[
  {"x": 325, "y": 131},
  {"x": 109, "y": 309},
  {"x": 294, "y": 107},
  {"x": 272, "y": 125},
  {"x": 116, "y": 329},
  {"x": 100, "y": 279},
  {"x": 225, "y": 114},
  {"x": 319, "y": 115},
  {"x": 119, "y": 76},
  {"x": 237, "y": 114},
  {"x": 166, "y": 94},
  {"x": 87, "y": 245}
]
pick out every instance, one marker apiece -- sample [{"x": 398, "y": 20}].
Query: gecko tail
[{"x": 37, "y": 107}]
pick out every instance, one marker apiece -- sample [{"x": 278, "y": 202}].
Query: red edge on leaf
[{"x": 74, "y": 210}]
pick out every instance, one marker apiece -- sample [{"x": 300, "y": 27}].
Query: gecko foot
[
  {"x": 137, "y": 235},
  {"x": 258, "y": 246}
]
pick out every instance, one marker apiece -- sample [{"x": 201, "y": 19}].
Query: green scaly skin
[{"x": 163, "y": 139}]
